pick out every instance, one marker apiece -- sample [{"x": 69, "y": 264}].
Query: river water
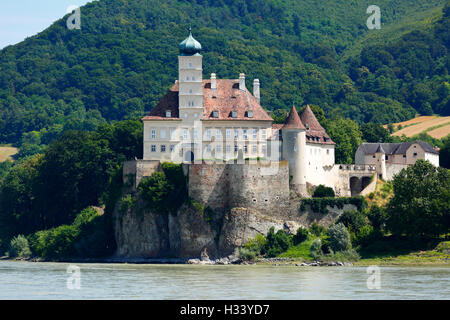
[{"x": 26, "y": 280}]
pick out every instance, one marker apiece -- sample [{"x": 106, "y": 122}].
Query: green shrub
[
  {"x": 164, "y": 192},
  {"x": 316, "y": 249},
  {"x": 127, "y": 202},
  {"x": 55, "y": 243},
  {"x": 323, "y": 192},
  {"x": 365, "y": 236},
  {"x": 344, "y": 256},
  {"x": 276, "y": 243},
  {"x": 316, "y": 229},
  {"x": 246, "y": 254},
  {"x": 19, "y": 247},
  {"x": 377, "y": 217},
  {"x": 301, "y": 235},
  {"x": 339, "y": 237},
  {"x": 353, "y": 220},
  {"x": 256, "y": 244},
  {"x": 87, "y": 236}
]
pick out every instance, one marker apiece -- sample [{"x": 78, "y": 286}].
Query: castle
[{"x": 215, "y": 123}]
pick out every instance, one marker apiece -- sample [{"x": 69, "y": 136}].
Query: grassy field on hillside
[
  {"x": 435, "y": 126},
  {"x": 6, "y": 152}
]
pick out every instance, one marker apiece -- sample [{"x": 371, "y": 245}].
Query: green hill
[{"x": 304, "y": 51}]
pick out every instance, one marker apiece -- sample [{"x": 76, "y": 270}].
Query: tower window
[{"x": 168, "y": 114}]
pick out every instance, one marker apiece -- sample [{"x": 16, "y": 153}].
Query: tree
[
  {"x": 374, "y": 132},
  {"x": 421, "y": 203},
  {"x": 347, "y": 136},
  {"x": 444, "y": 156},
  {"x": 339, "y": 237},
  {"x": 322, "y": 191}
]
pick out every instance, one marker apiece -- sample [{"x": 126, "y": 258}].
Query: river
[{"x": 27, "y": 280}]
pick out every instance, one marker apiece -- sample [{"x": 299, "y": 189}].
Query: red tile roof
[
  {"x": 314, "y": 131},
  {"x": 293, "y": 121},
  {"x": 168, "y": 103},
  {"x": 225, "y": 99}
]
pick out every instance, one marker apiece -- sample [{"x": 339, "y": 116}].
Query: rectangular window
[
  {"x": 163, "y": 148},
  {"x": 208, "y": 148},
  {"x": 236, "y": 133},
  {"x": 228, "y": 149},
  {"x": 153, "y": 148},
  {"x": 172, "y": 133},
  {"x": 244, "y": 133},
  {"x": 228, "y": 133},
  {"x": 218, "y": 134},
  {"x": 162, "y": 133},
  {"x": 263, "y": 149},
  {"x": 255, "y": 134},
  {"x": 185, "y": 134},
  {"x": 195, "y": 134},
  {"x": 168, "y": 114},
  {"x": 208, "y": 134},
  {"x": 219, "y": 148},
  {"x": 236, "y": 148},
  {"x": 254, "y": 149},
  {"x": 245, "y": 149},
  {"x": 264, "y": 134},
  {"x": 172, "y": 148},
  {"x": 153, "y": 134}
]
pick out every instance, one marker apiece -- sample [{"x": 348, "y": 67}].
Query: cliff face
[{"x": 141, "y": 233}]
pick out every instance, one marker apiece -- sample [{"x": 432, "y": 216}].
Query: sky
[{"x": 20, "y": 19}]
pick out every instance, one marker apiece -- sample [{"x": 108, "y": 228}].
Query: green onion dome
[{"x": 190, "y": 46}]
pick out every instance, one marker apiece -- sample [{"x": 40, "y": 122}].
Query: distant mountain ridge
[{"x": 123, "y": 60}]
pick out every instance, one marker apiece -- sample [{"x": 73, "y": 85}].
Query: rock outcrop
[{"x": 203, "y": 234}]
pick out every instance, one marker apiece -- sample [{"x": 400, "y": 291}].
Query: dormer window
[
  {"x": 250, "y": 114},
  {"x": 215, "y": 114},
  {"x": 168, "y": 114},
  {"x": 307, "y": 126},
  {"x": 234, "y": 114}
]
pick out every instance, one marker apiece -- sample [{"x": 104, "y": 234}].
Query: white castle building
[{"x": 220, "y": 120}]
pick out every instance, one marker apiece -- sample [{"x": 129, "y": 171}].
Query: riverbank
[{"x": 422, "y": 258}]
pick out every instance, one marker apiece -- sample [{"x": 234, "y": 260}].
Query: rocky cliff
[{"x": 195, "y": 230}]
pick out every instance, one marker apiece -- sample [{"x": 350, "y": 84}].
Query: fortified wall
[{"x": 260, "y": 186}]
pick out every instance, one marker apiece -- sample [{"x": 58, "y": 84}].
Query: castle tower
[
  {"x": 190, "y": 96},
  {"x": 380, "y": 156},
  {"x": 294, "y": 150},
  {"x": 190, "y": 79}
]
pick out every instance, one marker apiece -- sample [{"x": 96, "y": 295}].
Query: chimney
[
  {"x": 256, "y": 93},
  {"x": 213, "y": 81},
  {"x": 242, "y": 81}
]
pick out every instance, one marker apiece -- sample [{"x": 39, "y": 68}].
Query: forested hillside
[{"x": 124, "y": 58}]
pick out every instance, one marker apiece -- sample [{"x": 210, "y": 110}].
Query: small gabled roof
[
  {"x": 380, "y": 149},
  {"x": 394, "y": 148},
  {"x": 293, "y": 121}
]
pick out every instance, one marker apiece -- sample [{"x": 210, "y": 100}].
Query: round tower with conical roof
[
  {"x": 294, "y": 150},
  {"x": 380, "y": 156}
]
